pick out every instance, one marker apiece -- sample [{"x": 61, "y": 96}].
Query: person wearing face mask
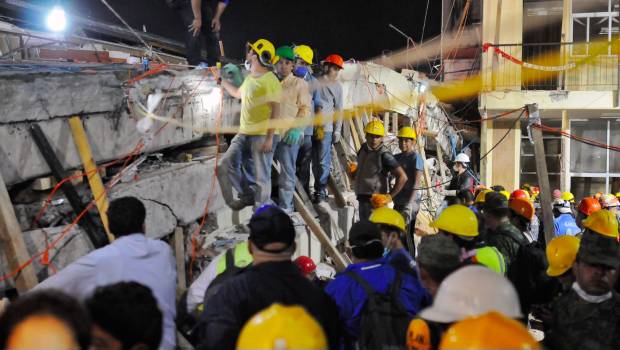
[
  {"x": 328, "y": 130},
  {"x": 588, "y": 316},
  {"x": 303, "y": 62},
  {"x": 461, "y": 180},
  {"x": 260, "y": 96},
  {"x": 294, "y": 106}
]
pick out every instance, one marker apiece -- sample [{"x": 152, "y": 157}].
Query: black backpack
[
  {"x": 527, "y": 273},
  {"x": 384, "y": 318}
]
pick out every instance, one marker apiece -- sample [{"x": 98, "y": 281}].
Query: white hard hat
[
  {"x": 462, "y": 158},
  {"x": 562, "y": 206},
  {"x": 471, "y": 291}
]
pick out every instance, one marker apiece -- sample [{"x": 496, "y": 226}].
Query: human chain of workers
[{"x": 481, "y": 282}]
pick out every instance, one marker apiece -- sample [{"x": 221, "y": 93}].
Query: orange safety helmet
[
  {"x": 522, "y": 207},
  {"x": 519, "y": 194},
  {"x": 589, "y": 205},
  {"x": 335, "y": 60},
  {"x": 418, "y": 335}
]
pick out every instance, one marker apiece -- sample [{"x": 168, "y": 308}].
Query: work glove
[
  {"x": 336, "y": 137},
  {"x": 319, "y": 133},
  {"x": 293, "y": 136},
  {"x": 380, "y": 200},
  {"x": 352, "y": 168}
]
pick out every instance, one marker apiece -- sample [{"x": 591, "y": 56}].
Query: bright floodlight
[{"x": 56, "y": 19}]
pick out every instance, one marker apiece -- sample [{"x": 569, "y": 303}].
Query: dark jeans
[
  {"x": 365, "y": 207},
  {"x": 206, "y": 37},
  {"x": 304, "y": 158}
]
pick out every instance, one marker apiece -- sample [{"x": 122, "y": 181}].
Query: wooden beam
[
  {"x": 90, "y": 168},
  {"x": 395, "y": 123},
  {"x": 354, "y": 134},
  {"x": 333, "y": 188},
  {"x": 543, "y": 175},
  {"x": 96, "y": 236},
  {"x": 386, "y": 121},
  {"x": 179, "y": 253},
  {"x": 442, "y": 166},
  {"x": 13, "y": 243},
  {"x": 321, "y": 235}
]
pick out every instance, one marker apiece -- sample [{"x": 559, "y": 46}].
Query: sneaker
[{"x": 239, "y": 204}]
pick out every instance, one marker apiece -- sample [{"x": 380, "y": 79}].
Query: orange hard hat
[
  {"x": 519, "y": 194},
  {"x": 335, "y": 60},
  {"x": 418, "y": 335},
  {"x": 522, "y": 207},
  {"x": 589, "y": 205}
]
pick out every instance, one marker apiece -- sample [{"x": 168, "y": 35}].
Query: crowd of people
[{"x": 488, "y": 278}]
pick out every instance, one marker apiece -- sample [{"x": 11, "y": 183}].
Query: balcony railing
[{"x": 574, "y": 67}]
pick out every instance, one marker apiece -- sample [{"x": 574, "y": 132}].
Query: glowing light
[{"x": 56, "y": 19}]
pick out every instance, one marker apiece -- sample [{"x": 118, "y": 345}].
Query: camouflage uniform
[
  {"x": 578, "y": 324},
  {"x": 507, "y": 239}
]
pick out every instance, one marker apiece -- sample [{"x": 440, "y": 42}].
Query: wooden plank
[
  {"x": 442, "y": 166},
  {"x": 96, "y": 236},
  {"x": 354, "y": 134},
  {"x": 395, "y": 123},
  {"x": 333, "y": 188},
  {"x": 359, "y": 124},
  {"x": 343, "y": 156},
  {"x": 386, "y": 121},
  {"x": 13, "y": 243},
  {"x": 320, "y": 234},
  {"x": 90, "y": 168},
  {"x": 543, "y": 175},
  {"x": 179, "y": 253}
]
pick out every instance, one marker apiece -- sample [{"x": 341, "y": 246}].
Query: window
[
  {"x": 553, "y": 155},
  {"x": 594, "y": 169},
  {"x": 593, "y": 20}
]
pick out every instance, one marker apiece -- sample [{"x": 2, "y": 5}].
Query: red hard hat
[
  {"x": 305, "y": 264},
  {"x": 335, "y": 60},
  {"x": 519, "y": 194},
  {"x": 589, "y": 205}
]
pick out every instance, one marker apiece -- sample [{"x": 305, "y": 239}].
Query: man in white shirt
[{"x": 130, "y": 257}]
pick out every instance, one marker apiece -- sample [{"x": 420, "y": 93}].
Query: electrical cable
[{"x": 505, "y": 135}]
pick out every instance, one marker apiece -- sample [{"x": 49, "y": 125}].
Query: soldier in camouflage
[
  {"x": 501, "y": 233},
  {"x": 588, "y": 316}
]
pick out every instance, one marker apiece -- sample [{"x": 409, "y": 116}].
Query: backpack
[
  {"x": 384, "y": 318},
  {"x": 527, "y": 274}
]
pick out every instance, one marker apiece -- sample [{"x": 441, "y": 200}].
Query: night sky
[{"x": 354, "y": 29}]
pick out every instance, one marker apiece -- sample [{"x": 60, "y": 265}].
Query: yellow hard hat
[
  {"x": 388, "y": 216},
  {"x": 569, "y": 197},
  {"x": 506, "y": 194},
  {"x": 304, "y": 52},
  {"x": 603, "y": 222},
  {"x": 458, "y": 220},
  {"x": 561, "y": 254},
  {"x": 488, "y": 331},
  {"x": 481, "y": 197},
  {"x": 265, "y": 50},
  {"x": 407, "y": 132},
  {"x": 282, "y": 327},
  {"x": 418, "y": 335},
  {"x": 375, "y": 127}
]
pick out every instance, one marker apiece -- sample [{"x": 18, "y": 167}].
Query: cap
[
  {"x": 495, "y": 201},
  {"x": 270, "y": 224},
  {"x": 596, "y": 249},
  {"x": 439, "y": 251},
  {"x": 364, "y": 232}
]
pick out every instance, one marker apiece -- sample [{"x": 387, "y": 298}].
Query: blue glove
[{"x": 293, "y": 136}]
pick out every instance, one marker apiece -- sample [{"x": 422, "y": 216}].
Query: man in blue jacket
[
  {"x": 564, "y": 221},
  {"x": 366, "y": 250}
]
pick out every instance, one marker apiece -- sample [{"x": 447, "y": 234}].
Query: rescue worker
[
  {"x": 374, "y": 163},
  {"x": 303, "y": 62},
  {"x": 464, "y": 293},
  {"x": 398, "y": 246},
  {"x": 260, "y": 96},
  {"x": 282, "y": 327},
  {"x": 438, "y": 256},
  {"x": 570, "y": 198},
  {"x": 588, "y": 316},
  {"x": 489, "y": 331},
  {"x": 522, "y": 214},
  {"x": 587, "y": 207},
  {"x": 307, "y": 267},
  {"x": 564, "y": 221},
  {"x": 534, "y": 224},
  {"x": 611, "y": 203},
  {"x": 462, "y": 180},
  {"x": 329, "y": 130},
  {"x": 272, "y": 278},
  {"x": 407, "y": 201},
  {"x": 294, "y": 105},
  {"x": 372, "y": 270},
  {"x": 501, "y": 233}
]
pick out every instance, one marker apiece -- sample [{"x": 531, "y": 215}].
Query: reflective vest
[{"x": 240, "y": 255}]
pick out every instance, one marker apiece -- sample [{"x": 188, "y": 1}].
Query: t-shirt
[
  {"x": 411, "y": 164},
  {"x": 331, "y": 97},
  {"x": 256, "y": 94}
]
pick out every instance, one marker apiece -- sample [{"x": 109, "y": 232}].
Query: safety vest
[
  {"x": 370, "y": 177},
  {"x": 240, "y": 255}
]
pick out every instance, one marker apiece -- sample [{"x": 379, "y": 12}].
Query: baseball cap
[
  {"x": 363, "y": 233},
  {"x": 496, "y": 202},
  {"x": 439, "y": 251},
  {"x": 270, "y": 224},
  {"x": 596, "y": 249}
]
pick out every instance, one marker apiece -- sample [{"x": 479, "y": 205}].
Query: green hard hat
[{"x": 285, "y": 52}]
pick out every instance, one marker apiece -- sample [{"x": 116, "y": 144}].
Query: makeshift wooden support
[
  {"x": 541, "y": 170},
  {"x": 354, "y": 134},
  {"x": 179, "y": 253},
  {"x": 96, "y": 236},
  {"x": 91, "y": 171},
  {"x": 395, "y": 123},
  {"x": 12, "y": 242},
  {"x": 442, "y": 166}
]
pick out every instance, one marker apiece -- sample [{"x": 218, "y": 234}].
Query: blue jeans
[
  {"x": 304, "y": 158},
  {"x": 247, "y": 170},
  {"x": 286, "y": 155},
  {"x": 321, "y": 163}
]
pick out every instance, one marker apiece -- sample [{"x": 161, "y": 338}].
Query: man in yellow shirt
[
  {"x": 260, "y": 96},
  {"x": 295, "y": 106}
]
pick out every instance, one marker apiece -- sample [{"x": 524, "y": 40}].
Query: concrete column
[
  {"x": 486, "y": 142},
  {"x": 565, "y": 165}
]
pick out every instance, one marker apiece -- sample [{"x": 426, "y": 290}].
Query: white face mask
[{"x": 247, "y": 64}]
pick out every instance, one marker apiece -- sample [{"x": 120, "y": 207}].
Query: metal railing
[{"x": 575, "y": 67}]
